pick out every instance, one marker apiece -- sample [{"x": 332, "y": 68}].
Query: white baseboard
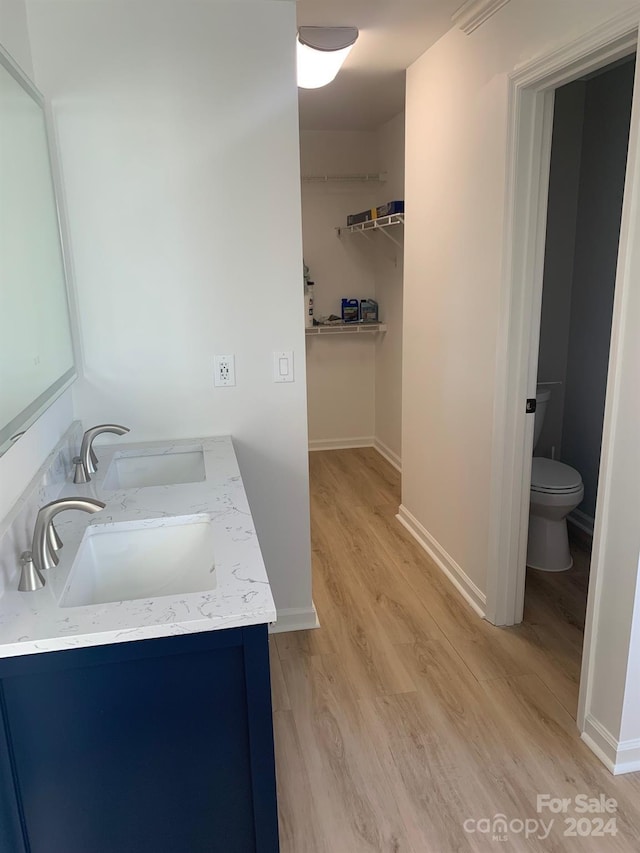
[
  {"x": 465, "y": 586},
  {"x": 617, "y": 756},
  {"x": 600, "y": 741},
  {"x": 581, "y": 520},
  {"x": 359, "y": 441},
  {"x": 628, "y": 758},
  {"x": 391, "y": 457},
  {"x": 295, "y": 619},
  {"x": 341, "y": 443}
]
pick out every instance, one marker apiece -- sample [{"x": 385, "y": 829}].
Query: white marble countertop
[{"x": 32, "y": 622}]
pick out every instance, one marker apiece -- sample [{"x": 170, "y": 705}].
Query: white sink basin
[
  {"x": 142, "y": 559},
  {"x": 161, "y": 469}
]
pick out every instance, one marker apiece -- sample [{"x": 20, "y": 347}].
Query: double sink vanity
[
  {"x": 135, "y": 708},
  {"x": 135, "y": 704}
]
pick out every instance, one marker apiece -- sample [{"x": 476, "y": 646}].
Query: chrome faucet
[
  {"x": 87, "y": 463},
  {"x": 43, "y": 551}
]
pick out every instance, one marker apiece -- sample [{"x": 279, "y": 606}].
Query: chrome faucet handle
[
  {"x": 79, "y": 472},
  {"x": 87, "y": 453},
  {"x": 30, "y": 577},
  {"x": 43, "y": 556},
  {"x": 53, "y": 540}
]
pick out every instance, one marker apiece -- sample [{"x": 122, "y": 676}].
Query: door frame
[{"x": 530, "y": 120}]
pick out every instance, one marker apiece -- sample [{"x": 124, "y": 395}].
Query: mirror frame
[{"x": 17, "y": 426}]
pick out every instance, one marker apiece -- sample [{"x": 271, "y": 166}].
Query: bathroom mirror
[{"x": 36, "y": 352}]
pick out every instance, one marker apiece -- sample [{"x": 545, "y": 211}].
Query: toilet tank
[{"x": 542, "y": 398}]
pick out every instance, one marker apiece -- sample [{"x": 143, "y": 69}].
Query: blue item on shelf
[
  {"x": 390, "y": 208},
  {"x": 350, "y": 310}
]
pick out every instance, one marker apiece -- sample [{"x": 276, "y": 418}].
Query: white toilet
[{"x": 556, "y": 490}]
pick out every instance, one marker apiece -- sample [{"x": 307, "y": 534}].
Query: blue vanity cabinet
[{"x": 151, "y": 746}]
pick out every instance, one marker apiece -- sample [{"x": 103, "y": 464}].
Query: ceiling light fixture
[{"x": 321, "y": 52}]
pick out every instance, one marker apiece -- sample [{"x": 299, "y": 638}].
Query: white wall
[
  {"x": 630, "y": 721},
  {"x": 455, "y": 191},
  {"x": 20, "y": 462},
  {"x": 354, "y": 383},
  {"x": 14, "y": 33},
  {"x": 614, "y": 594},
  {"x": 177, "y": 125},
  {"x": 389, "y": 274}
]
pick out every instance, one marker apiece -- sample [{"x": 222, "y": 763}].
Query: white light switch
[{"x": 283, "y": 366}]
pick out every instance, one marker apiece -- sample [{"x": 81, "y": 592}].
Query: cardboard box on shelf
[
  {"x": 390, "y": 208},
  {"x": 363, "y": 216}
]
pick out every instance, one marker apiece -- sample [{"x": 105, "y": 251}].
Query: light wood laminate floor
[{"x": 406, "y": 715}]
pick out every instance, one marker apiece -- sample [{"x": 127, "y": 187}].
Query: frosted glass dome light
[{"x": 321, "y": 52}]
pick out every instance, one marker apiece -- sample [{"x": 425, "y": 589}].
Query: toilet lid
[{"x": 548, "y": 475}]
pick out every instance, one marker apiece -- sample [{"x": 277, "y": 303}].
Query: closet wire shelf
[
  {"x": 346, "y": 328},
  {"x": 381, "y": 224}
]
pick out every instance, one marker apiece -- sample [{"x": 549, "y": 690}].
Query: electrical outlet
[{"x": 225, "y": 371}]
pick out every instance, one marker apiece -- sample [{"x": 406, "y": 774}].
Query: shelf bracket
[{"x": 386, "y": 234}]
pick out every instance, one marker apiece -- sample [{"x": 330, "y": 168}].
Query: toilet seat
[{"x": 551, "y": 477}]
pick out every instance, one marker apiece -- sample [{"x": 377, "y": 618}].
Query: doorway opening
[
  {"x": 533, "y": 90},
  {"x": 590, "y": 139},
  {"x": 352, "y": 182}
]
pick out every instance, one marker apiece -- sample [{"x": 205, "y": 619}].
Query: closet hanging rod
[{"x": 377, "y": 177}]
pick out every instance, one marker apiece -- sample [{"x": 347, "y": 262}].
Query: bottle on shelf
[{"x": 308, "y": 304}]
